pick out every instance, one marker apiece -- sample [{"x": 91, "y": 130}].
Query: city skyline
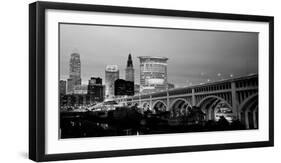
[
  {"x": 113, "y": 59},
  {"x": 208, "y": 55}
]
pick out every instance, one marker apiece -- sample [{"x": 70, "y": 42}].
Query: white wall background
[{"x": 14, "y": 79}]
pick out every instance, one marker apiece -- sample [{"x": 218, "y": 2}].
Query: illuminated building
[
  {"x": 74, "y": 73},
  {"x": 153, "y": 74},
  {"x": 111, "y": 74}
]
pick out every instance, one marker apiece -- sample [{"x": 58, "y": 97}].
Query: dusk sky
[{"x": 194, "y": 56}]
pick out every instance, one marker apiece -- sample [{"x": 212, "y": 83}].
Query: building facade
[
  {"x": 123, "y": 88},
  {"x": 129, "y": 71},
  {"x": 96, "y": 90},
  {"x": 74, "y": 73},
  {"x": 153, "y": 74},
  {"x": 62, "y": 87},
  {"x": 72, "y": 100},
  {"x": 80, "y": 89},
  {"x": 111, "y": 74},
  {"x": 95, "y": 81}
]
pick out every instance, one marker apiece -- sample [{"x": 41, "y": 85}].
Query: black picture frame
[{"x": 37, "y": 80}]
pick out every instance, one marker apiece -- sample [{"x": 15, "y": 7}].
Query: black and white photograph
[
  {"x": 132, "y": 80},
  {"x": 114, "y": 81}
]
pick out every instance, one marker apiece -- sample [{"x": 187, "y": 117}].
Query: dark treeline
[{"x": 131, "y": 121}]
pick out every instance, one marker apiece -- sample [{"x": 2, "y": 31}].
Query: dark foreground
[{"x": 124, "y": 121}]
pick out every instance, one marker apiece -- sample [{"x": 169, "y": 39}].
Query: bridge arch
[
  {"x": 159, "y": 105},
  {"x": 209, "y": 105},
  {"x": 145, "y": 105},
  {"x": 249, "y": 112},
  {"x": 179, "y": 107}
]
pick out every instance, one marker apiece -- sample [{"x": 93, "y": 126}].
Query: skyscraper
[
  {"x": 130, "y": 72},
  {"x": 96, "y": 89},
  {"x": 111, "y": 74},
  {"x": 74, "y": 73},
  {"x": 153, "y": 74}
]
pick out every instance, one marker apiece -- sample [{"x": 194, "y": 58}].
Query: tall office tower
[
  {"x": 130, "y": 72},
  {"x": 96, "y": 90},
  {"x": 153, "y": 74},
  {"x": 111, "y": 74},
  {"x": 74, "y": 73}
]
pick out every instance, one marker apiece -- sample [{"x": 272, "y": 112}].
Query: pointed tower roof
[{"x": 130, "y": 61}]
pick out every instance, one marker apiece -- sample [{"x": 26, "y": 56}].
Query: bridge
[{"x": 238, "y": 94}]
